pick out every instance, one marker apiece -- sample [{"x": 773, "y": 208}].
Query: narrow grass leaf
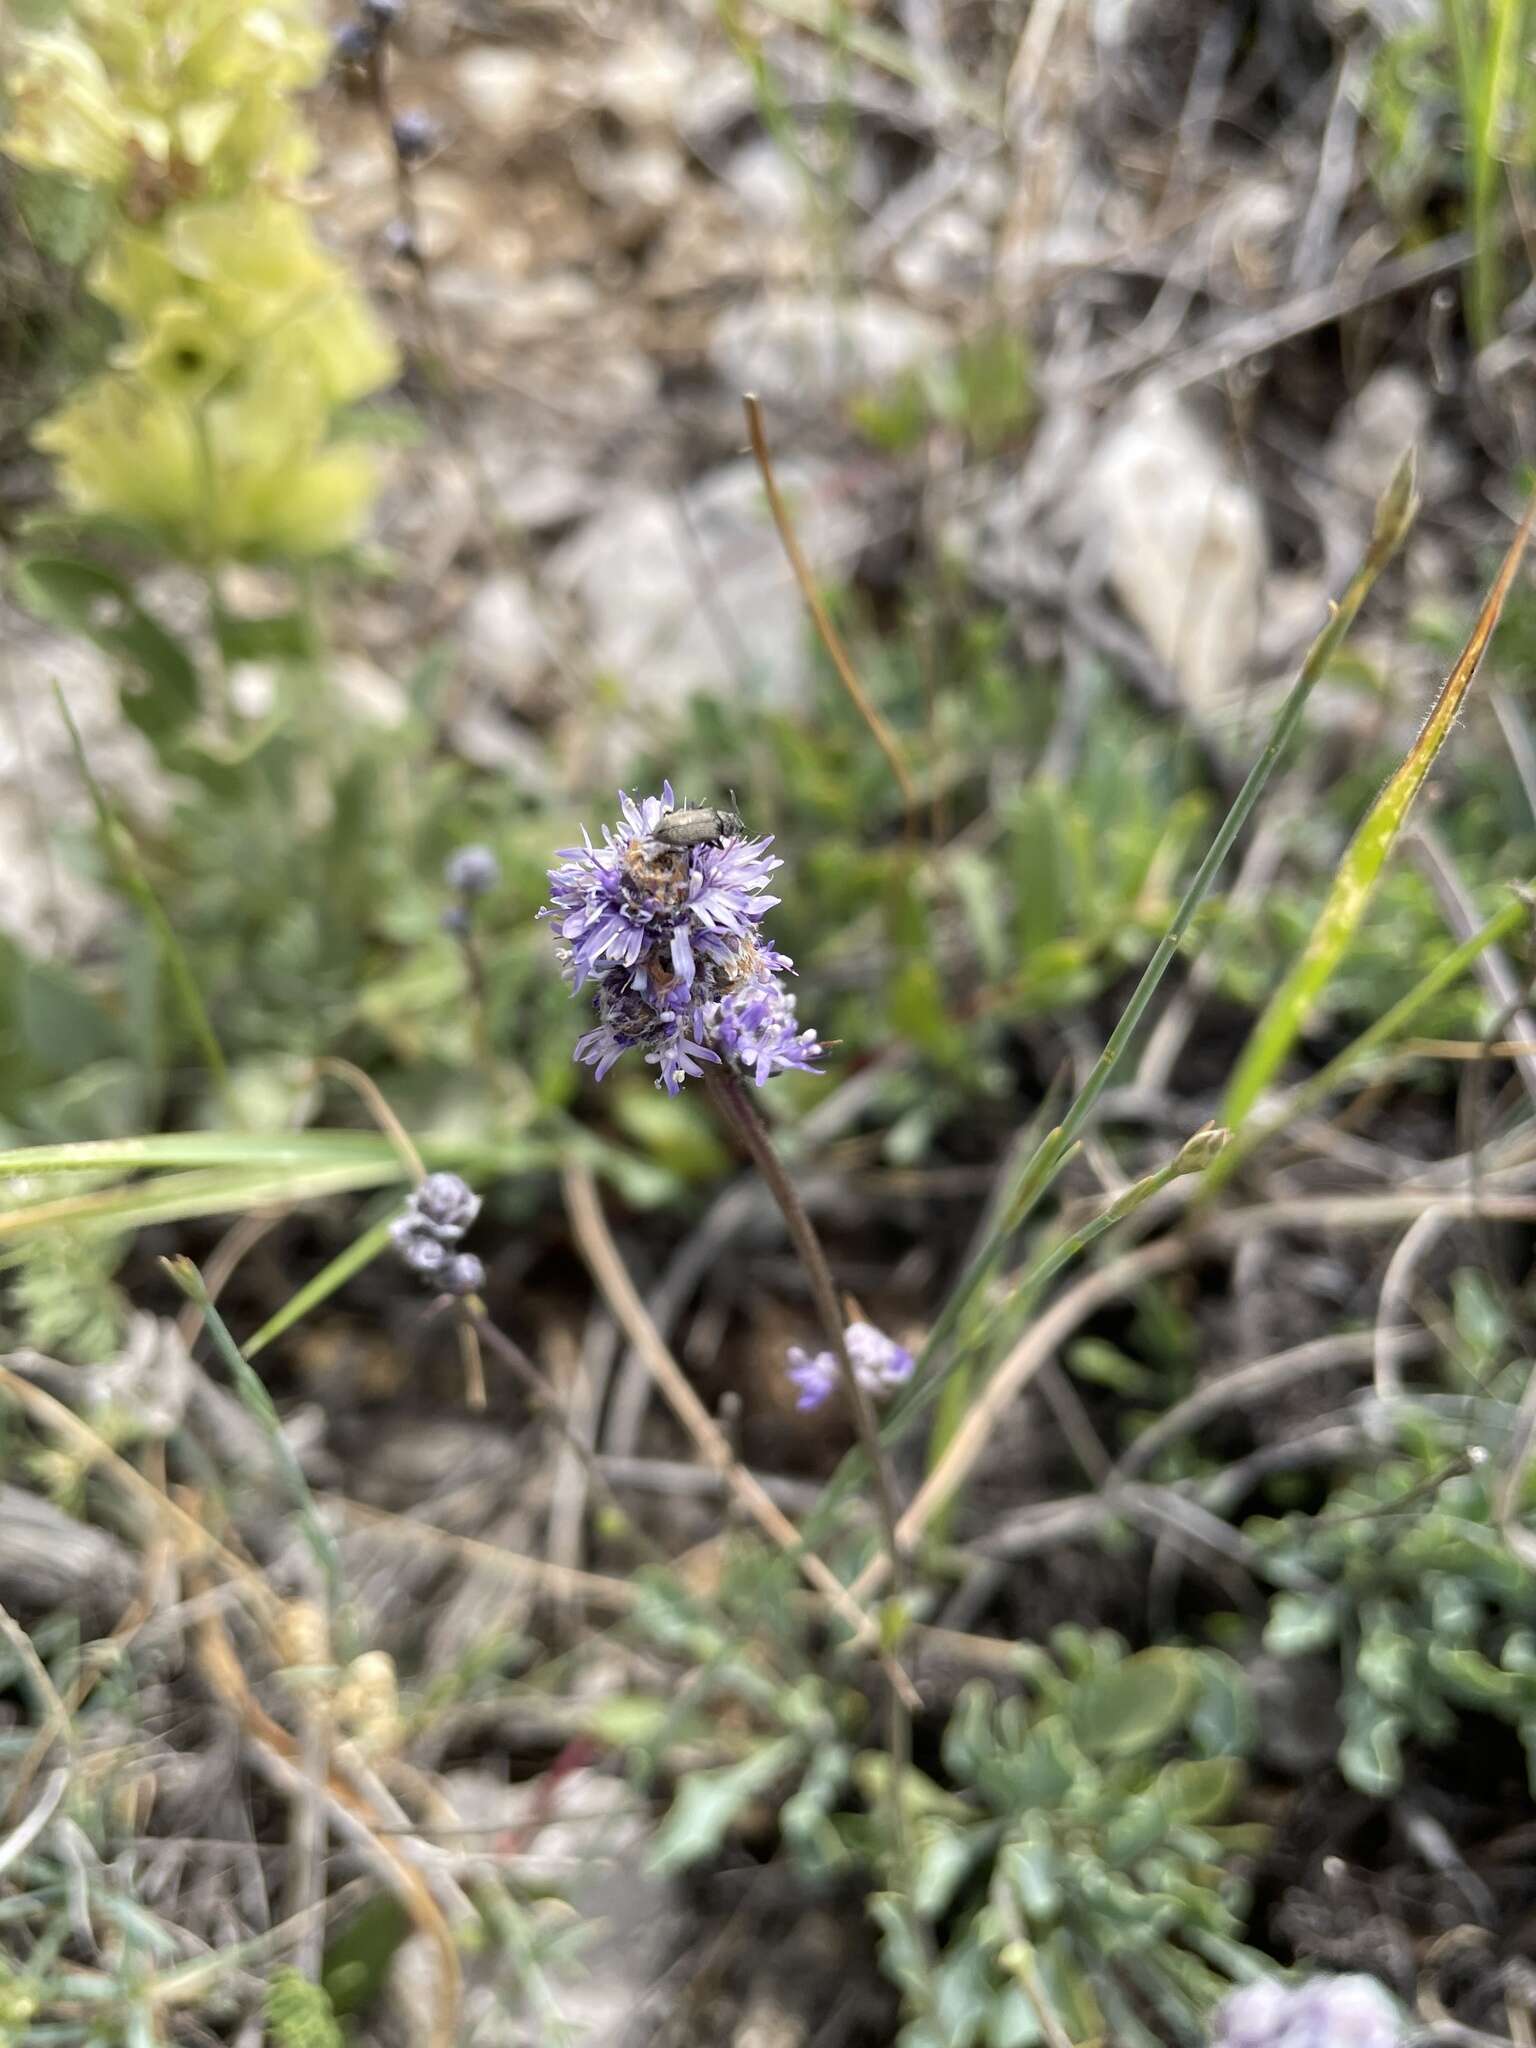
[
  {"x": 179, "y": 1197},
  {"x": 1286, "y": 1014},
  {"x": 358, "y": 1254},
  {"x": 1390, "y": 1025},
  {"x": 253, "y": 1394}
]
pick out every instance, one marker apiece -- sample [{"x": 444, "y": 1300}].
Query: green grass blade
[
  {"x": 325, "y": 1283},
  {"x": 235, "y": 1149},
  {"x": 178, "y": 1197},
  {"x": 252, "y": 1390},
  {"x": 1389, "y": 1025},
  {"x": 1286, "y": 1013},
  {"x": 1394, "y": 515},
  {"x": 1485, "y": 43}
]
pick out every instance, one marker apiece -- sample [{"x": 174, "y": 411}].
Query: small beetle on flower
[{"x": 664, "y": 919}]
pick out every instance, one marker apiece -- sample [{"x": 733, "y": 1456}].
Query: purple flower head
[
  {"x": 879, "y": 1363},
  {"x": 1327, "y": 2012},
  {"x": 671, "y": 937}
]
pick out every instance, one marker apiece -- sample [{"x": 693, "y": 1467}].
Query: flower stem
[{"x": 737, "y": 1107}]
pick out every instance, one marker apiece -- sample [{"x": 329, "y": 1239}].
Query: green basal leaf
[{"x": 1136, "y": 1705}]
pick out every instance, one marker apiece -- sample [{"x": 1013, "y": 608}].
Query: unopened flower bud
[
  {"x": 472, "y": 871},
  {"x": 463, "y": 1275},
  {"x": 353, "y": 43}
]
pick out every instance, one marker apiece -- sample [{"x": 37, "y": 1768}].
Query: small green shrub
[
  {"x": 1406, "y": 1577},
  {"x": 1075, "y": 1870}
]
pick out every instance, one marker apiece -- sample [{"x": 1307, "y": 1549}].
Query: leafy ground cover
[{"x": 889, "y": 1401}]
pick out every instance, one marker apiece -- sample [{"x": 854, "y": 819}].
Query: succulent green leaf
[
  {"x": 1370, "y": 1755},
  {"x": 1200, "y": 1790},
  {"x": 1135, "y": 1705},
  {"x": 1028, "y": 1867},
  {"x": 1300, "y": 1623}
]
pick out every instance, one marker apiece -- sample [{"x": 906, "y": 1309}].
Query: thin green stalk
[
  {"x": 359, "y": 1253},
  {"x": 1394, "y": 515},
  {"x": 124, "y": 857},
  {"x": 1487, "y": 59},
  {"x": 1285, "y": 1014},
  {"x": 1388, "y": 1026},
  {"x": 253, "y": 1394}
]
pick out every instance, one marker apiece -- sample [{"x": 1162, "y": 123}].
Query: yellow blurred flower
[
  {"x": 204, "y": 84},
  {"x": 213, "y": 430},
  {"x": 231, "y": 475}
]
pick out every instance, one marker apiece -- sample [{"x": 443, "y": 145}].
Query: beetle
[{"x": 699, "y": 825}]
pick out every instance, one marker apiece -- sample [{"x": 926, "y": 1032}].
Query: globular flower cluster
[
  {"x": 427, "y": 1234},
  {"x": 1328, "y": 2012},
  {"x": 880, "y": 1365},
  {"x": 213, "y": 428},
  {"x": 670, "y": 940}
]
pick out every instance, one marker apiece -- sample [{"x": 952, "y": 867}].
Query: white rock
[
  {"x": 804, "y": 350},
  {"x": 644, "y": 79},
  {"x": 367, "y": 692},
  {"x": 501, "y": 637},
  {"x": 533, "y": 486},
  {"x": 948, "y": 253},
  {"x": 502, "y": 89},
  {"x": 46, "y": 906},
  {"x": 1182, "y": 541},
  {"x": 765, "y": 182},
  {"x": 1387, "y": 416},
  {"x": 692, "y": 596}
]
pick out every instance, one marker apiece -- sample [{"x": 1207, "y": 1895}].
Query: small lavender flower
[
  {"x": 464, "y": 1275},
  {"x": 755, "y": 1023},
  {"x": 671, "y": 938},
  {"x": 879, "y": 1364},
  {"x": 1327, "y": 2012},
  {"x": 813, "y": 1374},
  {"x": 415, "y": 135},
  {"x": 472, "y": 871}
]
